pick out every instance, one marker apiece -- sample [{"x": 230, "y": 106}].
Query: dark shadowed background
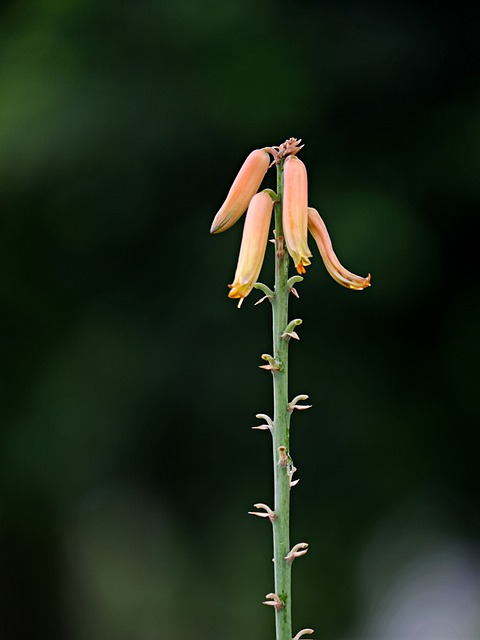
[{"x": 129, "y": 381}]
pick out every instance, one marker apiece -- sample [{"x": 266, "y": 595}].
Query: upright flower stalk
[
  {"x": 293, "y": 219},
  {"x": 282, "y": 465}
]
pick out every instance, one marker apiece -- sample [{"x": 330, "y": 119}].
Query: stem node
[{"x": 282, "y": 457}]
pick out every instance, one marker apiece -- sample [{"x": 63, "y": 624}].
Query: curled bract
[
  {"x": 301, "y": 633},
  {"x": 269, "y": 513},
  {"x": 297, "y": 551},
  {"x": 293, "y": 404},
  {"x": 268, "y": 426},
  {"x": 274, "y": 601}
]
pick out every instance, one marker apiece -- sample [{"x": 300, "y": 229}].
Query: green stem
[{"x": 281, "y": 431}]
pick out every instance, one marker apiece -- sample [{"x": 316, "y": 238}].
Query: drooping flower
[
  {"x": 346, "y": 278},
  {"x": 244, "y": 187},
  {"x": 254, "y": 244},
  {"x": 295, "y": 211}
]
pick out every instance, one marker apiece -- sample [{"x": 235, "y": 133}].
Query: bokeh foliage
[{"x": 129, "y": 381}]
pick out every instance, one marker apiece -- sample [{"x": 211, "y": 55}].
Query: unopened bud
[
  {"x": 295, "y": 211},
  {"x": 244, "y": 187},
  {"x": 254, "y": 244}
]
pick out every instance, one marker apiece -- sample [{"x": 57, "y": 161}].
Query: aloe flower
[
  {"x": 295, "y": 211},
  {"x": 317, "y": 228},
  {"x": 244, "y": 187},
  {"x": 254, "y": 244}
]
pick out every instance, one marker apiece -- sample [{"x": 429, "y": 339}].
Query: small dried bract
[
  {"x": 288, "y": 148},
  {"x": 301, "y": 633},
  {"x": 274, "y": 601},
  {"x": 271, "y": 515},
  {"x": 298, "y": 550}
]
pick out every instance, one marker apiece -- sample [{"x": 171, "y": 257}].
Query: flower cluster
[{"x": 297, "y": 219}]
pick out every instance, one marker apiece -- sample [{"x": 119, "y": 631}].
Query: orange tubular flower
[
  {"x": 254, "y": 244},
  {"x": 244, "y": 187},
  {"x": 295, "y": 211},
  {"x": 317, "y": 228}
]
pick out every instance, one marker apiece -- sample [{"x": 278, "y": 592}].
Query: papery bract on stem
[
  {"x": 346, "y": 278},
  {"x": 295, "y": 211},
  {"x": 244, "y": 187},
  {"x": 254, "y": 244}
]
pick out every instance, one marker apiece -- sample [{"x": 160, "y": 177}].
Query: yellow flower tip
[
  {"x": 238, "y": 293},
  {"x": 301, "y": 269},
  {"x": 238, "y": 290},
  {"x": 346, "y": 278},
  {"x": 365, "y": 282},
  {"x": 295, "y": 211},
  {"x": 254, "y": 244},
  {"x": 244, "y": 187}
]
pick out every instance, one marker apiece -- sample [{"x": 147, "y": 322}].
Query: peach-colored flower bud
[
  {"x": 244, "y": 187},
  {"x": 254, "y": 244},
  {"x": 317, "y": 228},
  {"x": 295, "y": 211}
]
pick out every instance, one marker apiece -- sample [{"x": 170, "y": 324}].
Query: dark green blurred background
[{"x": 129, "y": 380}]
